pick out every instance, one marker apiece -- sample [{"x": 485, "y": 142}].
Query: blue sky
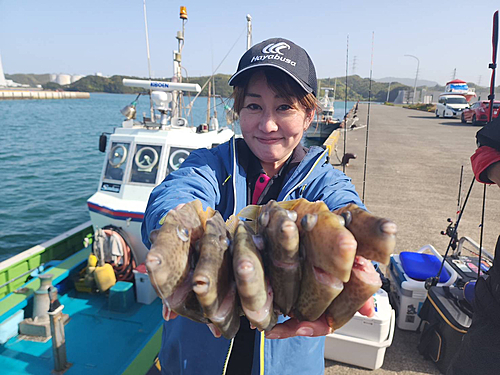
[{"x": 107, "y": 36}]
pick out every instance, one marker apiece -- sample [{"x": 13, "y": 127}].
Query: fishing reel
[{"x": 451, "y": 231}]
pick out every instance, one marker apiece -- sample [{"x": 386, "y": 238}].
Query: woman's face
[{"x": 271, "y": 125}]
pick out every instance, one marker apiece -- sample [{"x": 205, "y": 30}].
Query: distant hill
[
  {"x": 358, "y": 88},
  {"x": 29, "y": 79},
  {"x": 407, "y": 81}
]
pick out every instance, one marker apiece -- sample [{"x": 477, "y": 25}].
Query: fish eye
[
  {"x": 183, "y": 234},
  {"x": 264, "y": 219},
  {"x": 292, "y": 215},
  {"x": 309, "y": 221}
]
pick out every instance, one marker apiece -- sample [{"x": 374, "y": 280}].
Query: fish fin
[
  {"x": 288, "y": 205},
  {"x": 232, "y": 224},
  {"x": 153, "y": 235},
  {"x": 250, "y": 212}
]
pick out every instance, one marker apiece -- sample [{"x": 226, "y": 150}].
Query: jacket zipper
[{"x": 227, "y": 356}]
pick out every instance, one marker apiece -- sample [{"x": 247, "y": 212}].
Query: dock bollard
[{"x": 58, "y": 338}]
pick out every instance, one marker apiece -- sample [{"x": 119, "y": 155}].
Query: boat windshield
[
  {"x": 458, "y": 100},
  {"x": 117, "y": 161},
  {"x": 177, "y": 157},
  {"x": 145, "y": 165}
]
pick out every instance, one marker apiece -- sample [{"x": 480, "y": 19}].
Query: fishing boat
[
  {"x": 324, "y": 122},
  {"x": 81, "y": 303}
]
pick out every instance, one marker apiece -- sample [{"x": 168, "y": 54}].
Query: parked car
[
  {"x": 479, "y": 112},
  {"x": 451, "y": 105}
]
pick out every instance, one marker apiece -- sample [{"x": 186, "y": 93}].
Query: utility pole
[
  {"x": 354, "y": 64},
  {"x": 388, "y": 91},
  {"x": 416, "y": 77}
]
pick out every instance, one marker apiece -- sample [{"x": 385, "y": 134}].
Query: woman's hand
[
  {"x": 493, "y": 173},
  {"x": 292, "y": 327}
]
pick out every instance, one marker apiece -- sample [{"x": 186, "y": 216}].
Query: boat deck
[{"x": 98, "y": 340}]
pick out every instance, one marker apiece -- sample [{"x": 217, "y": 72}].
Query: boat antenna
[
  {"x": 491, "y": 97},
  {"x": 345, "y": 100},
  {"x": 368, "y": 119},
  {"x": 149, "y": 61}
]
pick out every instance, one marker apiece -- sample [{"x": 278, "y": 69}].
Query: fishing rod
[
  {"x": 368, "y": 119},
  {"x": 491, "y": 97},
  {"x": 345, "y": 100}
]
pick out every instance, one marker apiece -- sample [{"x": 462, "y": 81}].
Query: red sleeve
[{"x": 482, "y": 159}]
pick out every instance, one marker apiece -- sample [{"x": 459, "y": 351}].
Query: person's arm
[{"x": 485, "y": 165}]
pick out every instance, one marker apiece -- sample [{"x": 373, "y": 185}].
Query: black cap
[{"x": 282, "y": 54}]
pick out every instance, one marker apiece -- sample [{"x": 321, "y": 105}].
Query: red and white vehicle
[{"x": 479, "y": 112}]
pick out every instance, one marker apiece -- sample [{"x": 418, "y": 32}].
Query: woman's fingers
[
  {"x": 292, "y": 327},
  {"x": 368, "y": 309}
]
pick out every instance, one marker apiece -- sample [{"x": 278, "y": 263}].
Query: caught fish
[
  {"x": 278, "y": 228},
  {"x": 183, "y": 302},
  {"x": 213, "y": 273},
  {"x": 252, "y": 287},
  {"x": 227, "y": 316},
  {"x": 376, "y": 236},
  {"x": 364, "y": 281},
  {"x": 324, "y": 240},
  {"x": 169, "y": 260}
]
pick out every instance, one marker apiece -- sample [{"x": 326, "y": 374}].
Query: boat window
[
  {"x": 177, "y": 157},
  {"x": 495, "y": 105},
  {"x": 117, "y": 161},
  {"x": 145, "y": 164},
  {"x": 456, "y": 100}
]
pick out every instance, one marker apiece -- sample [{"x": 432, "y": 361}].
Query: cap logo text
[{"x": 273, "y": 52}]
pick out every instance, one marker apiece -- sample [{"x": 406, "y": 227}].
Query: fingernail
[
  {"x": 304, "y": 331},
  {"x": 272, "y": 336}
]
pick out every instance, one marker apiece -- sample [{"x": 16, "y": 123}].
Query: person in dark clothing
[{"x": 480, "y": 349}]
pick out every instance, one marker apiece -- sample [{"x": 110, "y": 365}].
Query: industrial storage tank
[
  {"x": 63, "y": 79},
  {"x": 75, "y": 77},
  {"x": 52, "y": 77}
]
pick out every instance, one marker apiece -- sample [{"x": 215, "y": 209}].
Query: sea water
[{"x": 50, "y": 163}]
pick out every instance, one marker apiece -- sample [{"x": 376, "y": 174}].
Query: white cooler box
[
  {"x": 362, "y": 341},
  {"x": 143, "y": 289},
  {"x": 408, "y": 295}
]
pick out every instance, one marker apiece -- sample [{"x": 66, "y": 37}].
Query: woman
[{"x": 275, "y": 90}]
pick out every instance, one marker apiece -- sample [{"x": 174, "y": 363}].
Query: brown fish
[
  {"x": 265, "y": 318},
  {"x": 376, "y": 236},
  {"x": 227, "y": 317},
  {"x": 248, "y": 269},
  {"x": 213, "y": 273},
  {"x": 281, "y": 253},
  {"x": 364, "y": 281},
  {"x": 183, "y": 302},
  {"x": 321, "y": 235},
  {"x": 168, "y": 261}
]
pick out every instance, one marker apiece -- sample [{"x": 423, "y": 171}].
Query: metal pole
[
  {"x": 249, "y": 31},
  {"x": 416, "y": 77}
]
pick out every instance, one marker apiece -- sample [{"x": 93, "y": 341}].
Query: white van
[{"x": 451, "y": 105}]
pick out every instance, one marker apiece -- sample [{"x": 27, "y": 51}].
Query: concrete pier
[
  {"x": 28, "y": 94},
  {"x": 412, "y": 177}
]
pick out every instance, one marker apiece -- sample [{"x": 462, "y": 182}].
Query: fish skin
[
  {"x": 212, "y": 274},
  {"x": 364, "y": 282},
  {"x": 168, "y": 261},
  {"x": 266, "y": 317},
  {"x": 248, "y": 269},
  {"x": 227, "y": 317},
  {"x": 282, "y": 254},
  {"x": 373, "y": 242},
  {"x": 183, "y": 301}
]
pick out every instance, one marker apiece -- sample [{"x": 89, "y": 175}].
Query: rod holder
[{"x": 58, "y": 340}]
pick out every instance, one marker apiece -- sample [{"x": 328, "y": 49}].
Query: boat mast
[
  {"x": 177, "y": 95},
  {"x": 249, "y": 31},
  {"x": 149, "y": 62}
]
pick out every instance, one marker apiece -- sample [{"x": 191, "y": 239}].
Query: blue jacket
[{"x": 216, "y": 178}]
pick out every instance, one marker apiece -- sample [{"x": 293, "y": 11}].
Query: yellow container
[
  {"x": 104, "y": 277},
  {"x": 92, "y": 262}
]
